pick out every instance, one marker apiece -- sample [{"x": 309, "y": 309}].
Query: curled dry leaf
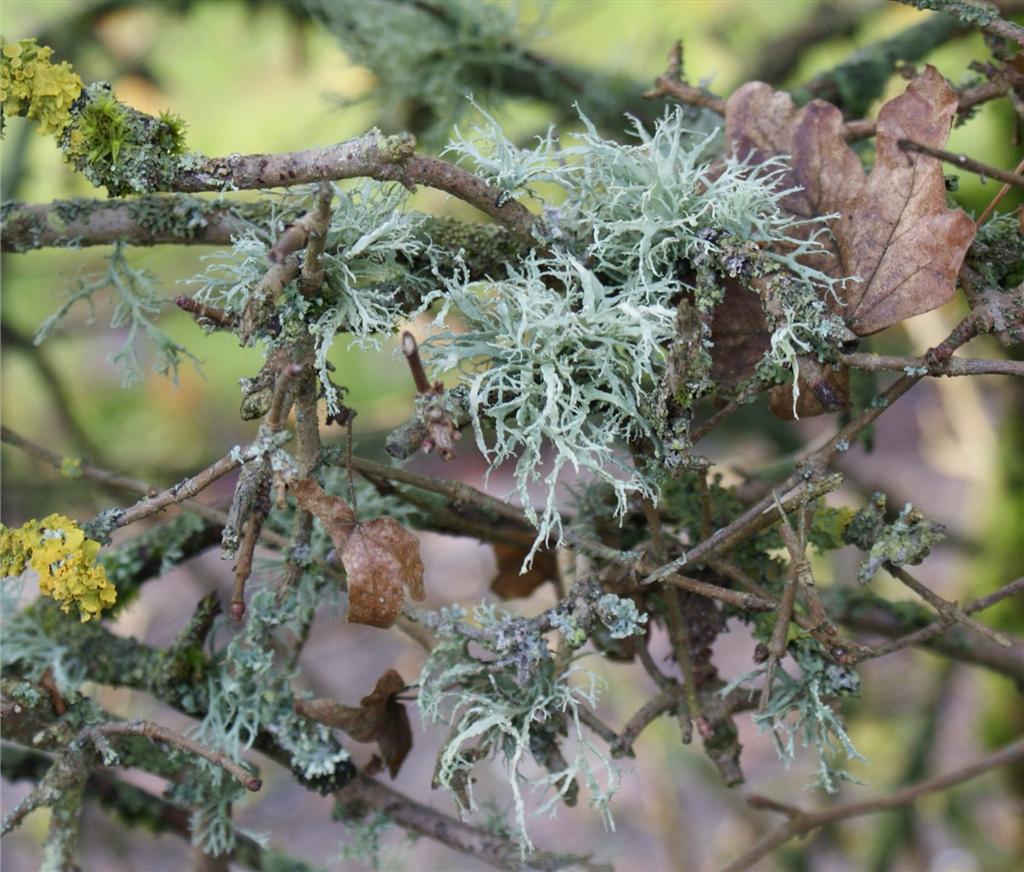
[
  {"x": 380, "y": 557},
  {"x": 509, "y": 583},
  {"x": 382, "y": 560},
  {"x": 379, "y": 718},
  {"x": 894, "y": 232}
]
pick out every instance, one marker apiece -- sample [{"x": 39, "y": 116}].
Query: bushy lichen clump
[
  {"x": 799, "y": 707},
  {"x": 57, "y": 549},
  {"x": 249, "y": 693},
  {"x": 369, "y": 285},
  {"x": 565, "y": 351},
  {"x": 519, "y": 698}
]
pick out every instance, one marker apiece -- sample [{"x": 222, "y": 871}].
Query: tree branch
[
  {"x": 373, "y": 155},
  {"x": 955, "y": 366},
  {"x": 162, "y": 734},
  {"x": 964, "y": 162},
  {"x": 802, "y": 822}
]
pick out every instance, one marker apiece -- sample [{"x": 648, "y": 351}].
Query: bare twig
[
  {"x": 955, "y": 366},
  {"x": 484, "y": 846},
  {"x": 243, "y": 565},
  {"x": 748, "y": 393},
  {"x": 925, "y": 634},
  {"x": 964, "y": 162},
  {"x": 1003, "y": 191},
  {"x": 205, "y": 314},
  {"x": 313, "y": 264},
  {"x": 746, "y": 601},
  {"x": 777, "y": 643},
  {"x": 840, "y": 650},
  {"x": 967, "y": 100},
  {"x": 260, "y": 302},
  {"x": 752, "y": 521},
  {"x": 950, "y": 612},
  {"x": 188, "y": 488},
  {"x": 103, "y": 476},
  {"x": 675, "y": 623},
  {"x": 672, "y": 83},
  {"x": 801, "y": 822},
  {"x": 412, "y": 356},
  {"x": 668, "y": 698}
]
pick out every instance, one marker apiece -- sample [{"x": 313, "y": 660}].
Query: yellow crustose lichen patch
[{"x": 65, "y": 560}]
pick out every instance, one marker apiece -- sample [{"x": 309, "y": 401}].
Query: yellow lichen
[
  {"x": 65, "y": 560},
  {"x": 32, "y": 86}
]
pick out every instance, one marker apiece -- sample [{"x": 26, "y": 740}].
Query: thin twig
[
  {"x": 925, "y": 634},
  {"x": 675, "y": 623},
  {"x": 189, "y": 487},
  {"x": 277, "y": 416},
  {"x": 752, "y": 521},
  {"x": 1003, "y": 191},
  {"x": 801, "y": 822},
  {"x": 312, "y": 276},
  {"x": 745, "y": 601},
  {"x": 746, "y": 394},
  {"x": 243, "y": 565},
  {"x": 412, "y": 356},
  {"x": 964, "y": 162},
  {"x": 949, "y": 611},
  {"x": 841, "y": 650},
  {"x": 955, "y": 366},
  {"x": 206, "y": 315},
  {"x": 103, "y": 476},
  {"x": 668, "y": 698},
  {"x": 779, "y": 639}
]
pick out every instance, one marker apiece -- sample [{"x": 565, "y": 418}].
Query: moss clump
[
  {"x": 125, "y": 150},
  {"x": 33, "y": 87}
]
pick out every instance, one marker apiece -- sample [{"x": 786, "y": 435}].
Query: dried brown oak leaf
[
  {"x": 381, "y": 559},
  {"x": 379, "y": 718},
  {"x": 509, "y": 583},
  {"x": 894, "y": 232}
]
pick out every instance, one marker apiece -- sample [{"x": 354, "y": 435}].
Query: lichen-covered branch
[
  {"x": 136, "y": 807},
  {"x": 385, "y": 158},
  {"x": 162, "y": 734}
]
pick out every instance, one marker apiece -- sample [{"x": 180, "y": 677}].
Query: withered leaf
[
  {"x": 894, "y": 231},
  {"x": 739, "y": 333},
  {"x": 508, "y": 583},
  {"x": 379, "y": 718},
  {"x": 381, "y": 558},
  {"x": 382, "y": 561},
  {"x": 822, "y": 389}
]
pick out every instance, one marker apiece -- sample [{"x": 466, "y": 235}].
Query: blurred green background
[{"x": 251, "y": 78}]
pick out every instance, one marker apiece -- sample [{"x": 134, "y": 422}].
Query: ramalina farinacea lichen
[
  {"x": 519, "y": 699},
  {"x": 564, "y": 352}
]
